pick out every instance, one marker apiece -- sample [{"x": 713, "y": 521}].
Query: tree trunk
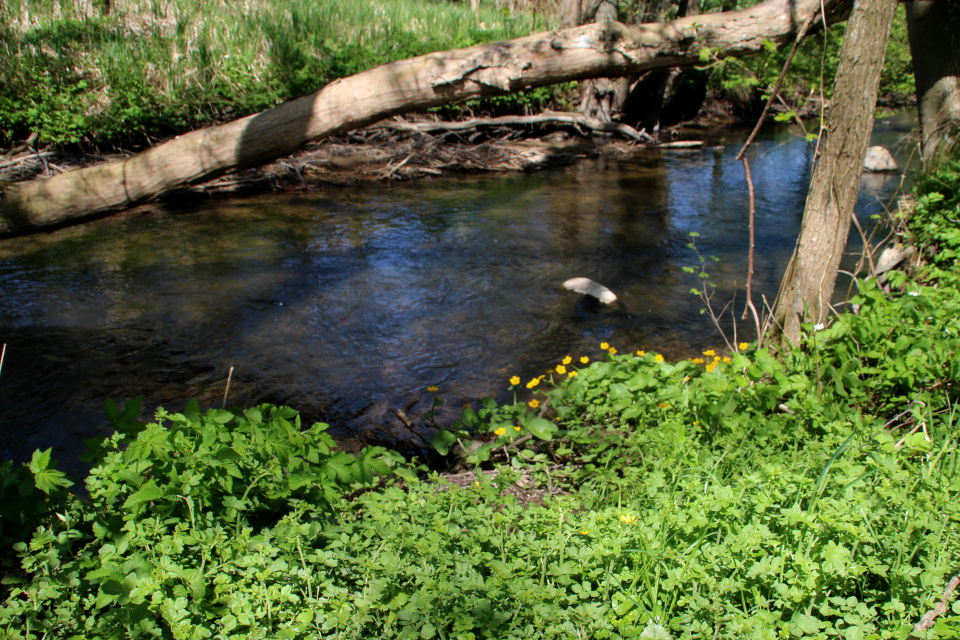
[
  {"x": 591, "y": 51},
  {"x": 808, "y": 284},
  {"x": 602, "y": 98},
  {"x": 934, "y": 29}
]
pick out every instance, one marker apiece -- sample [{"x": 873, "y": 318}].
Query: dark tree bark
[
  {"x": 934, "y": 29},
  {"x": 808, "y": 284}
]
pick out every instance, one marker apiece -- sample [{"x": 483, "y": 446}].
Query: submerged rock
[
  {"x": 879, "y": 159},
  {"x": 590, "y": 288}
]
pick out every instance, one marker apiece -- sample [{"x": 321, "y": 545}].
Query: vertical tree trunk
[
  {"x": 934, "y": 29},
  {"x": 812, "y": 273},
  {"x": 601, "y": 98}
]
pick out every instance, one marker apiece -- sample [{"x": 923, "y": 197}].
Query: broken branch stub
[{"x": 590, "y": 51}]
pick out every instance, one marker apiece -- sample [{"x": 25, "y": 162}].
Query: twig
[
  {"x": 24, "y": 158},
  {"x": 227, "y": 390},
  {"x": 545, "y": 118},
  {"x": 927, "y": 620},
  {"x": 749, "y": 306},
  {"x": 779, "y": 83},
  {"x": 867, "y": 251},
  {"x": 390, "y": 171}
]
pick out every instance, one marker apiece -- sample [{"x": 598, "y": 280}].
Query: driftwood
[
  {"x": 548, "y": 117},
  {"x": 590, "y": 51}
]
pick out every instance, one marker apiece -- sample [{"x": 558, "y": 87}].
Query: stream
[{"x": 348, "y": 303}]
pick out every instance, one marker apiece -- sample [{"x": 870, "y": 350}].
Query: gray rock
[{"x": 879, "y": 159}]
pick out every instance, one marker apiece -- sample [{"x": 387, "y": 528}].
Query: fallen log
[{"x": 590, "y": 51}]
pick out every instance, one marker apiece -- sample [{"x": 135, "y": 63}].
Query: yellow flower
[
  {"x": 641, "y": 353},
  {"x": 515, "y": 380},
  {"x": 572, "y": 374},
  {"x": 567, "y": 360},
  {"x": 697, "y": 360},
  {"x": 710, "y": 367},
  {"x": 561, "y": 369},
  {"x": 658, "y": 358},
  {"x": 500, "y": 431},
  {"x": 727, "y": 360},
  {"x": 604, "y": 346},
  {"x": 584, "y": 360},
  {"x": 534, "y": 382},
  {"x": 432, "y": 389},
  {"x": 709, "y": 352},
  {"x": 664, "y": 405},
  {"x": 534, "y": 403},
  {"x": 476, "y": 483},
  {"x": 516, "y": 428},
  {"x": 584, "y": 532},
  {"x": 628, "y": 518},
  {"x": 612, "y": 351},
  {"x": 743, "y": 346}
]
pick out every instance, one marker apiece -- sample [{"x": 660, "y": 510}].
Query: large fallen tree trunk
[{"x": 590, "y": 51}]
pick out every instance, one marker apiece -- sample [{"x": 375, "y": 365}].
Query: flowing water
[{"x": 350, "y": 302}]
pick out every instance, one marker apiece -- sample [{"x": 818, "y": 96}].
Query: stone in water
[
  {"x": 590, "y": 288},
  {"x": 879, "y": 159}
]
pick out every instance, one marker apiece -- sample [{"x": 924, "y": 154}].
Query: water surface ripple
[{"x": 348, "y": 303}]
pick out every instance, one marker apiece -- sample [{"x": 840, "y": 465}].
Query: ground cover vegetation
[
  {"x": 128, "y": 73},
  {"x": 814, "y": 493}
]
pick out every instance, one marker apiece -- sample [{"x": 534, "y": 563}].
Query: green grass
[{"x": 151, "y": 69}]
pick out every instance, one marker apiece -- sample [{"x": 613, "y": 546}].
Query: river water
[{"x": 350, "y": 302}]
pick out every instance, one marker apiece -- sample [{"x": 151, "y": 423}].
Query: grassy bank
[
  {"x": 150, "y": 69},
  {"x": 737, "y": 495},
  {"x": 78, "y": 74}
]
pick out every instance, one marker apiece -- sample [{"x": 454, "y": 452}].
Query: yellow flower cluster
[{"x": 628, "y": 518}]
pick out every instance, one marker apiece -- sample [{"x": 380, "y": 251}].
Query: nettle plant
[{"x": 169, "y": 503}]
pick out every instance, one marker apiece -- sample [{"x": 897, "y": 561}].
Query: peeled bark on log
[{"x": 590, "y": 51}]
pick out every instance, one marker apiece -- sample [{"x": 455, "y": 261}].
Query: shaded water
[{"x": 348, "y": 303}]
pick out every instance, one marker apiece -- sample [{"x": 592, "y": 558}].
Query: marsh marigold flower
[
  {"x": 584, "y": 360},
  {"x": 561, "y": 369},
  {"x": 612, "y": 351},
  {"x": 727, "y": 360},
  {"x": 710, "y": 368},
  {"x": 628, "y": 518},
  {"x": 567, "y": 360},
  {"x": 500, "y": 431},
  {"x": 710, "y": 352},
  {"x": 432, "y": 389},
  {"x": 641, "y": 353},
  {"x": 516, "y": 428},
  {"x": 534, "y": 403},
  {"x": 664, "y": 405},
  {"x": 604, "y": 346},
  {"x": 515, "y": 380},
  {"x": 658, "y": 358},
  {"x": 572, "y": 374},
  {"x": 743, "y": 346},
  {"x": 534, "y": 382}
]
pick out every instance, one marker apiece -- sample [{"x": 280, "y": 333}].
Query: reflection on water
[{"x": 348, "y": 303}]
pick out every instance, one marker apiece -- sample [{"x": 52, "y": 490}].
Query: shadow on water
[{"x": 348, "y": 303}]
